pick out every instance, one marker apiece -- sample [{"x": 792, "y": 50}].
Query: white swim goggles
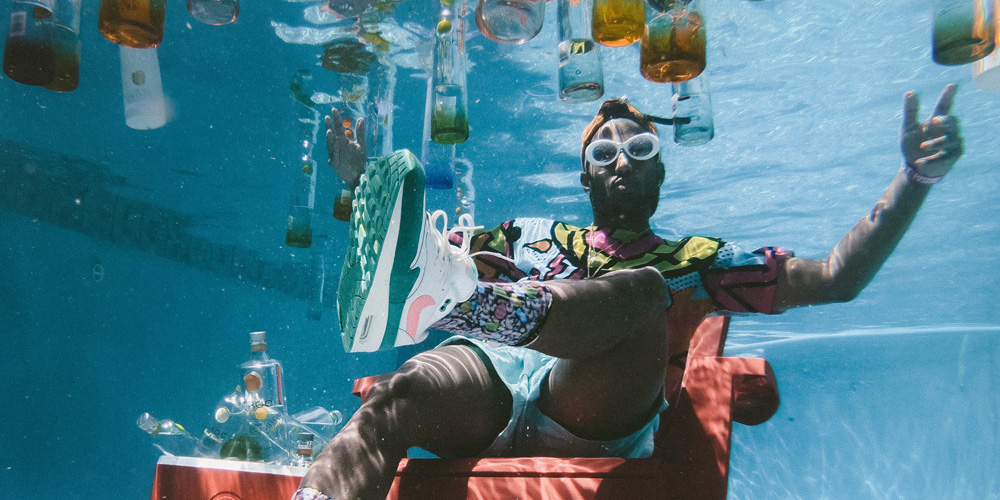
[{"x": 603, "y": 152}]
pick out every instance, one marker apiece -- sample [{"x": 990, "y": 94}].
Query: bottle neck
[{"x": 258, "y": 351}]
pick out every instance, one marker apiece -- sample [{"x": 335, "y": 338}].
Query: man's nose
[{"x": 622, "y": 165}]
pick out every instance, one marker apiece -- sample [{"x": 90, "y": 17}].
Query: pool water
[{"x": 134, "y": 263}]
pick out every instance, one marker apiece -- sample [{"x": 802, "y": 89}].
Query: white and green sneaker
[{"x": 400, "y": 273}]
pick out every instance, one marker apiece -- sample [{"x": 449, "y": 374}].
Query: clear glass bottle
[
  {"x": 132, "y": 23},
  {"x": 449, "y": 118},
  {"x": 692, "y": 103},
  {"x": 581, "y": 76},
  {"x": 214, "y": 12},
  {"x": 262, "y": 376},
  {"x": 173, "y": 439},
  {"x": 617, "y": 23},
  {"x": 142, "y": 88},
  {"x": 67, "y": 46},
  {"x": 303, "y": 450},
  {"x": 298, "y": 233},
  {"x": 964, "y": 30},
  {"x": 29, "y": 54},
  {"x": 510, "y": 21},
  {"x": 673, "y": 45}
]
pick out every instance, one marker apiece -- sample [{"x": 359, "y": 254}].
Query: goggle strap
[{"x": 668, "y": 121}]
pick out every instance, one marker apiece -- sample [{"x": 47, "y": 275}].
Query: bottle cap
[
  {"x": 258, "y": 337},
  {"x": 253, "y": 381}
]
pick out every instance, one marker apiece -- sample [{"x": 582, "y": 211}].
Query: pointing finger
[
  {"x": 911, "y": 108},
  {"x": 945, "y": 101}
]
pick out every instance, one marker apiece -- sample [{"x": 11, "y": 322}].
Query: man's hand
[
  {"x": 347, "y": 154},
  {"x": 931, "y": 147}
]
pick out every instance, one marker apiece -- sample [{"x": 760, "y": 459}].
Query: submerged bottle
[
  {"x": 142, "y": 88},
  {"x": 29, "y": 54},
  {"x": 673, "y": 46},
  {"x": 262, "y": 375},
  {"x": 132, "y": 23},
  {"x": 581, "y": 76},
  {"x": 66, "y": 45},
  {"x": 964, "y": 30},
  {"x": 449, "y": 118},
  {"x": 510, "y": 21},
  {"x": 174, "y": 439},
  {"x": 986, "y": 71},
  {"x": 617, "y": 23},
  {"x": 214, "y": 12},
  {"x": 303, "y": 450},
  {"x": 298, "y": 233},
  {"x": 692, "y": 103}
]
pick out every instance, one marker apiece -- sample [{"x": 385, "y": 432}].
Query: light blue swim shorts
[{"x": 530, "y": 433}]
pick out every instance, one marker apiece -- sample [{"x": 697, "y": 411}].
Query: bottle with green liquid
[{"x": 449, "y": 95}]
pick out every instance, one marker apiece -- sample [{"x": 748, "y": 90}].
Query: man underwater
[{"x": 571, "y": 340}]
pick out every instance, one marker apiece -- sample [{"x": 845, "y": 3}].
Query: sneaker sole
[{"x": 385, "y": 234}]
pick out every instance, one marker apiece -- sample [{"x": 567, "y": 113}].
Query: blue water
[{"x": 890, "y": 396}]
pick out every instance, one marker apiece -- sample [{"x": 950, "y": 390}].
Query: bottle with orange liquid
[
  {"x": 617, "y": 23},
  {"x": 673, "y": 46},
  {"x": 29, "y": 56},
  {"x": 132, "y": 23}
]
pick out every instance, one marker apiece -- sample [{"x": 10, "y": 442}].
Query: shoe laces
[{"x": 466, "y": 227}]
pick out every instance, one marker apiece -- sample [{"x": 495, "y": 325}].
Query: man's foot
[{"x": 400, "y": 273}]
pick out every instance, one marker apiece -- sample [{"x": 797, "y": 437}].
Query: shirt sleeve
[{"x": 745, "y": 282}]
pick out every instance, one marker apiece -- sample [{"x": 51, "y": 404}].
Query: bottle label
[{"x": 18, "y": 24}]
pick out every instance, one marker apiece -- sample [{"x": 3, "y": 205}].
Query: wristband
[
  {"x": 915, "y": 176},
  {"x": 309, "y": 494}
]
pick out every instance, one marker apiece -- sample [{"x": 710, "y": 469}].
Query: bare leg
[
  {"x": 611, "y": 334},
  {"x": 443, "y": 400}
]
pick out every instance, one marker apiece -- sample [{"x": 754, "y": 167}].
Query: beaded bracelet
[{"x": 914, "y": 175}]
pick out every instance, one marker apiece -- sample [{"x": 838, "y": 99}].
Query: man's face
[{"x": 626, "y": 188}]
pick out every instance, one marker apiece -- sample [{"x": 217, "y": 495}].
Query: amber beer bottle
[
  {"x": 617, "y": 23},
  {"x": 29, "y": 56},
  {"x": 132, "y": 23},
  {"x": 673, "y": 47}
]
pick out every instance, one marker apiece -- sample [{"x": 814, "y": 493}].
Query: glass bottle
[
  {"x": 298, "y": 233},
  {"x": 449, "y": 118},
  {"x": 303, "y": 450},
  {"x": 617, "y": 23},
  {"x": 692, "y": 103},
  {"x": 581, "y": 77},
  {"x": 29, "y": 53},
  {"x": 510, "y": 21},
  {"x": 986, "y": 71},
  {"x": 174, "y": 439},
  {"x": 214, "y": 12},
  {"x": 142, "y": 88},
  {"x": 964, "y": 30},
  {"x": 66, "y": 43},
  {"x": 673, "y": 46},
  {"x": 132, "y": 23},
  {"x": 262, "y": 375}
]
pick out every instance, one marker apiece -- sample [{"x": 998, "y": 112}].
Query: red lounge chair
[{"x": 691, "y": 458}]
